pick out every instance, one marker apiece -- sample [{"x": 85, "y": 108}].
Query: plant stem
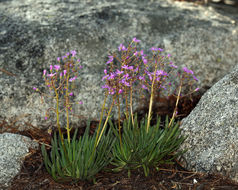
[
  {"x": 99, "y": 126},
  {"x": 105, "y": 123},
  {"x": 119, "y": 114},
  {"x": 127, "y": 112},
  {"x": 132, "y": 118},
  {"x": 57, "y": 116},
  {"x": 176, "y": 105},
  {"x": 67, "y": 104},
  {"x": 151, "y": 98}
]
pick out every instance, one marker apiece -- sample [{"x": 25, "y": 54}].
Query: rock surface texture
[
  {"x": 34, "y": 33},
  {"x": 212, "y": 129},
  {"x": 13, "y": 150}
]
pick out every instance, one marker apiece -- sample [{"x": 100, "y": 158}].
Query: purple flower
[
  {"x": 185, "y": 69},
  {"x": 57, "y": 67},
  {"x": 164, "y": 87},
  {"x": 127, "y": 83},
  {"x": 119, "y": 72},
  {"x": 154, "y": 49},
  {"x": 126, "y": 75},
  {"x": 44, "y": 72},
  {"x": 195, "y": 78},
  {"x": 146, "y": 71},
  {"x": 105, "y": 86},
  {"x": 196, "y": 89},
  {"x": 80, "y": 102},
  {"x": 46, "y": 118},
  {"x": 67, "y": 54},
  {"x": 158, "y": 78},
  {"x": 135, "y": 70},
  {"x": 51, "y": 67},
  {"x": 58, "y": 59},
  {"x": 61, "y": 74},
  {"x": 120, "y": 91},
  {"x": 136, "y": 53},
  {"x": 144, "y": 60},
  {"x": 63, "y": 57},
  {"x": 172, "y": 65},
  {"x": 34, "y": 88},
  {"x": 65, "y": 71},
  {"x": 124, "y": 66},
  {"x": 130, "y": 67},
  {"x": 161, "y": 72},
  {"x": 121, "y": 47},
  {"x": 135, "y": 40},
  {"x": 143, "y": 86},
  {"x": 111, "y": 91},
  {"x": 168, "y": 55},
  {"x": 141, "y": 52},
  {"x": 112, "y": 76},
  {"x": 141, "y": 78},
  {"x": 127, "y": 67},
  {"x": 73, "y": 52},
  {"x": 105, "y": 77},
  {"x": 51, "y": 75},
  {"x": 72, "y": 79},
  {"x": 149, "y": 76},
  {"x": 123, "y": 81},
  {"x": 71, "y": 93},
  {"x": 80, "y": 67},
  {"x": 105, "y": 71},
  {"x": 78, "y": 60},
  {"x": 110, "y": 59}
]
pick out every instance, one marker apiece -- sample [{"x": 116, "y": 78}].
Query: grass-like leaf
[
  {"x": 145, "y": 149},
  {"x": 80, "y": 159}
]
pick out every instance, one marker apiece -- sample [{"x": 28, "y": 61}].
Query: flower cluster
[
  {"x": 60, "y": 80},
  {"x": 62, "y": 72},
  {"x": 136, "y": 67},
  {"x": 134, "y": 70},
  {"x": 119, "y": 79},
  {"x": 59, "y": 74}
]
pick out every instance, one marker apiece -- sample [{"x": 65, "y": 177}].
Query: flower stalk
[
  {"x": 105, "y": 123},
  {"x": 176, "y": 106},
  {"x": 67, "y": 105},
  {"x": 57, "y": 117},
  {"x": 151, "y": 99}
]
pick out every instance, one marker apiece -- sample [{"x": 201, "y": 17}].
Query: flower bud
[{"x": 44, "y": 72}]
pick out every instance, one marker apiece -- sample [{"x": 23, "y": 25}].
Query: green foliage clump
[
  {"x": 79, "y": 158},
  {"x": 141, "y": 148}
]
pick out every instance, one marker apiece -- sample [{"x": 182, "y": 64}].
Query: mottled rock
[
  {"x": 13, "y": 150},
  {"x": 34, "y": 33},
  {"x": 212, "y": 129}
]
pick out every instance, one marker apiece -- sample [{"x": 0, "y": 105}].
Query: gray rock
[
  {"x": 34, "y": 33},
  {"x": 212, "y": 129},
  {"x": 14, "y": 148}
]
